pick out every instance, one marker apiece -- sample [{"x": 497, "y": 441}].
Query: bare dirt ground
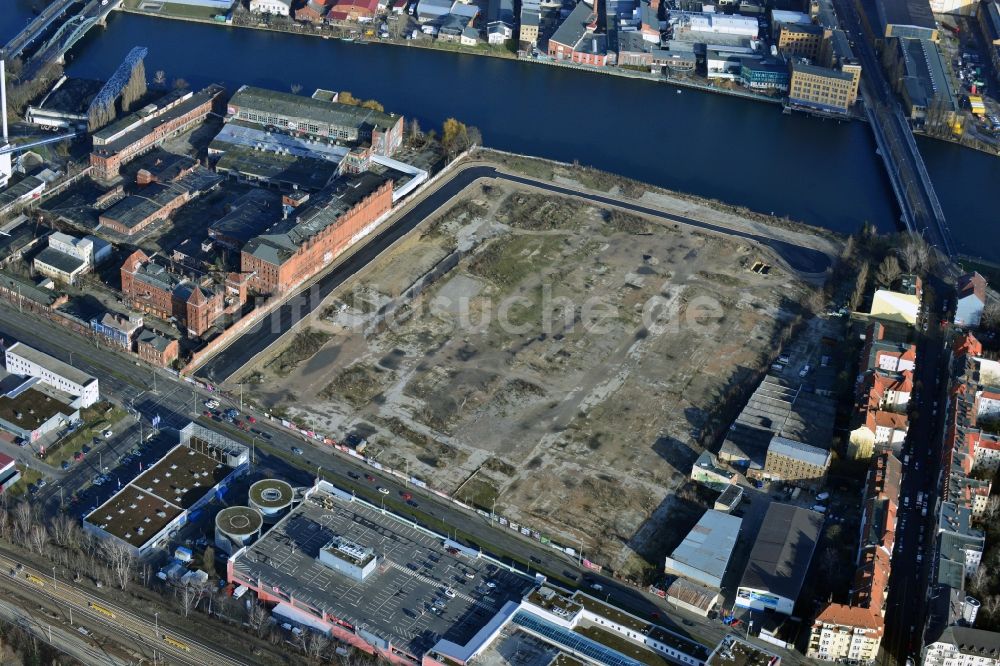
[{"x": 557, "y": 361}]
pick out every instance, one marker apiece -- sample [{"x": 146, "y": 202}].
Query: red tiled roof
[
  {"x": 346, "y": 5},
  {"x": 876, "y": 418},
  {"x": 851, "y": 616},
  {"x": 968, "y": 345}
]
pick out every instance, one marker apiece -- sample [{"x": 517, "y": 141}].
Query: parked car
[
  {"x": 384, "y": 491},
  {"x": 370, "y": 478},
  {"x": 296, "y": 450},
  {"x": 107, "y": 434},
  {"x": 405, "y": 495}
]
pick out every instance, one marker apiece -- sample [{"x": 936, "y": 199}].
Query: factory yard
[{"x": 558, "y": 362}]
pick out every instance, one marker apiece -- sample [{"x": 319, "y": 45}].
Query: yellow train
[
  {"x": 32, "y": 578},
  {"x": 102, "y": 610},
  {"x": 176, "y": 643}
]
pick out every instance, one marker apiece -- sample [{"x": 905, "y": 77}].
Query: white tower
[{"x": 5, "y": 164}]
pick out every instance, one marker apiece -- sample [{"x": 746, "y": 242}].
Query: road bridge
[
  {"x": 921, "y": 211},
  {"x": 74, "y": 26},
  {"x": 35, "y": 29}
]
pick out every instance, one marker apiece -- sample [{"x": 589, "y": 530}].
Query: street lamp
[
  {"x": 54, "y": 585},
  {"x": 156, "y": 617}
]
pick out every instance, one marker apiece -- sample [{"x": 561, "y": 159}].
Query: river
[{"x": 748, "y": 153}]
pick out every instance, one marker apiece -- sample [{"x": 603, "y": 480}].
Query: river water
[{"x": 748, "y": 153}]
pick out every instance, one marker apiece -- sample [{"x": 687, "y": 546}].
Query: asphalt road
[
  {"x": 176, "y": 403},
  {"x": 915, "y": 534},
  {"x": 241, "y": 351}
]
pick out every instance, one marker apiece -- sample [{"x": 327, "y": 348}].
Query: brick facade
[
  {"x": 108, "y": 157},
  {"x": 154, "y": 290},
  {"x": 315, "y": 253}
]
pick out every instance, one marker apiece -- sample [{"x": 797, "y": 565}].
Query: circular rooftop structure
[
  {"x": 271, "y": 496},
  {"x": 239, "y": 522}
]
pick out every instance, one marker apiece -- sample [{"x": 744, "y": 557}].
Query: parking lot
[{"x": 420, "y": 592}]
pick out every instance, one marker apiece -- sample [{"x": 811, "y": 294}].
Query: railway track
[{"x": 177, "y": 647}]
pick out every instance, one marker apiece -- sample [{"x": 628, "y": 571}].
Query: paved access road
[
  {"x": 121, "y": 622},
  {"x": 241, "y": 351}
]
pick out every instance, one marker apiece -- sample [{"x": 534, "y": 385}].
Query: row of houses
[{"x": 852, "y": 632}]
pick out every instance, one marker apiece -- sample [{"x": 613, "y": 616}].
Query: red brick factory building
[
  {"x": 297, "y": 248},
  {"x": 139, "y": 132}
]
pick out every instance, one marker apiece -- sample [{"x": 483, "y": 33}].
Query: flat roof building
[
  {"x": 315, "y": 117},
  {"x": 704, "y": 554},
  {"x": 24, "y": 360},
  {"x": 906, "y": 18},
  {"x": 821, "y": 89},
  {"x": 160, "y": 499},
  {"x": 779, "y": 559},
  {"x": 440, "y": 600}
]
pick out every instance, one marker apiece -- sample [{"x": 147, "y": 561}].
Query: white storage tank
[
  {"x": 272, "y": 498},
  {"x": 237, "y": 526}
]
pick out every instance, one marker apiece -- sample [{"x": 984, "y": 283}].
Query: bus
[
  {"x": 176, "y": 643},
  {"x": 102, "y": 610}
]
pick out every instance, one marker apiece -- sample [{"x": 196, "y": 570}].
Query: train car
[
  {"x": 102, "y": 610},
  {"x": 180, "y": 645}
]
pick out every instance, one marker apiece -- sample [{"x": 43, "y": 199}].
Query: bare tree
[
  {"x": 120, "y": 559},
  {"x": 415, "y": 134},
  {"x": 991, "y": 605},
  {"x": 991, "y": 316},
  {"x": 257, "y": 617},
  {"x": 296, "y": 88},
  {"x": 23, "y": 519},
  {"x": 5, "y": 525},
  {"x": 313, "y": 644},
  {"x": 915, "y": 253},
  {"x": 38, "y": 537},
  {"x": 888, "y": 271},
  {"x": 189, "y": 595},
  {"x": 160, "y": 78},
  {"x": 180, "y": 84}
]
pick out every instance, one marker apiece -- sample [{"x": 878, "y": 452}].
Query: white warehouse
[
  {"x": 704, "y": 554},
  {"x": 24, "y": 360}
]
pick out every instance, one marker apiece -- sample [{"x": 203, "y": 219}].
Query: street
[
  {"x": 177, "y": 402},
  {"x": 915, "y": 534}
]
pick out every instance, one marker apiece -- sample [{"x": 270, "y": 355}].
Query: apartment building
[
  {"x": 796, "y": 464},
  {"x": 822, "y": 89}
]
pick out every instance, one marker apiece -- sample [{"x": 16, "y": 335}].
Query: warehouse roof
[
  {"x": 915, "y": 13},
  {"x": 295, "y": 106},
  {"x": 284, "y": 238},
  {"x": 60, "y": 261},
  {"x": 784, "y": 547},
  {"x": 709, "y": 544},
  {"x": 572, "y": 30}
]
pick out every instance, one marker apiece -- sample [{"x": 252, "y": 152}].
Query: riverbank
[
  {"x": 332, "y": 32},
  {"x": 612, "y": 184}
]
